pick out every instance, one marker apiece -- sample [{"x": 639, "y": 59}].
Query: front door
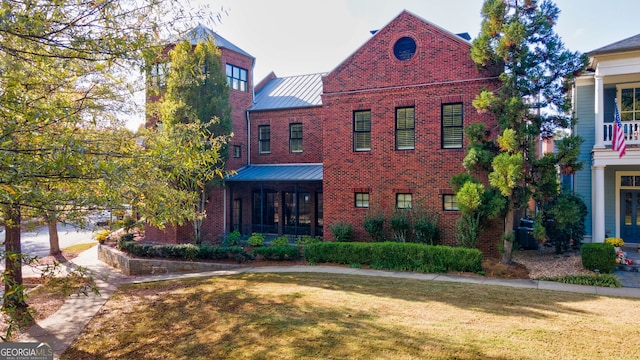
[{"x": 630, "y": 215}]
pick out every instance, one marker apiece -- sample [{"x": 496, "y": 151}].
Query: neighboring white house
[{"x": 608, "y": 183}]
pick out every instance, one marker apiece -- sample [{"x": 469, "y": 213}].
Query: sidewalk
[{"x": 62, "y": 328}]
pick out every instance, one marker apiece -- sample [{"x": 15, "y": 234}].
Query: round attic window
[{"x": 404, "y": 49}]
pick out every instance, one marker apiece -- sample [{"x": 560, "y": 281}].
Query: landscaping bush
[
  {"x": 101, "y": 236},
  {"x": 233, "y": 238},
  {"x": 256, "y": 239},
  {"x": 280, "y": 241},
  {"x": 400, "y": 226},
  {"x": 602, "y": 280},
  {"x": 598, "y": 256},
  {"x": 374, "y": 226},
  {"x": 396, "y": 256},
  {"x": 426, "y": 232},
  {"x": 342, "y": 231},
  {"x": 307, "y": 239},
  {"x": 183, "y": 251},
  {"x": 285, "y": 252}
]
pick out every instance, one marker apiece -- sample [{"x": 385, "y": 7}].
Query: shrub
[
  {"x": 256, "y": 239},
  {"x": 101, "y": 236},
  {"x": 400, "y": 226},
  {"x": 468, "y": 230},
  {"x": 342, "y": 231},
  {"x": 285, "y": 252},
  {"x": 602, "y": 280},
  {"x": 374, "y": 226},
  {"x": 598, "y": 256},
  {"x": 426, "y": 231},
  {"x": 396, "y": 256},
  {"x": 233, "y": 238},
  {"x": 184, "y": 251},
  {"x": 307, "y": 239},
  {"x": 280, "y": 241}
]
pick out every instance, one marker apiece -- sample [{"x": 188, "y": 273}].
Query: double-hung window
[
  {"x": 452, "y": 126},
  {"x": 362, "y": 130},
  {"x": 295, "y": 138},
  {"x": 264, "y": 139},
  {"x": 362, "y": 199},
  {"x": 405, "y": 128},
  {"x": 237, "y": 78},
  {"x": 449, "y": 202},
  {"x": 403, "y": 201}
]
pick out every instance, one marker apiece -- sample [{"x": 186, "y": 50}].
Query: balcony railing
[{"x": 631, "y": 132}]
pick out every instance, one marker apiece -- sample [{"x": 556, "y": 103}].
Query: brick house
[{"x": 383, "y": 132}]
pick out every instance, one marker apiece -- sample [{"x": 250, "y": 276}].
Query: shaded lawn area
[{"x": 328, "y": 316}]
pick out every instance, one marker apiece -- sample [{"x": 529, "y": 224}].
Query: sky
[{"x": 297, "y": 37}]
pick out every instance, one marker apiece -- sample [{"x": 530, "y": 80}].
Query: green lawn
[{"x": 326, "y": 316}]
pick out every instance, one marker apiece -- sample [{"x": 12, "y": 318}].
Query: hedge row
[
  {"x": 283, "y": 252},
  {"x": 396, "y": 256},
  {"x": 185, "y": 251}
]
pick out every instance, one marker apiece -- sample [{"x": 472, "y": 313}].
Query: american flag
[{"x": 618, "y": 135}]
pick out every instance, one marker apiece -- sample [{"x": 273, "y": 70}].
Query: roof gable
[
  {"x": 628, "y": 44},
  {"x": 377, "y": 64},
  {"x": 202, "y": 32}
]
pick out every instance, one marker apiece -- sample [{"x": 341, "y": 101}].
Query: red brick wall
[
  {"x": 240, "y": 102},
  {"x": 311, "y": 119},
  {"x": 373, "y": 79}
]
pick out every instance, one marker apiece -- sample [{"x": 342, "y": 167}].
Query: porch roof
[{"x": 279, "y": 172}]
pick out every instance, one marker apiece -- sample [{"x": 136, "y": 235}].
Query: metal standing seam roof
[
  {"x": 630, "y": 43},
  {"x": 285, "y": 172},
  {"x": 202, "y": 32},
  {"x": 290, "y": 92}
]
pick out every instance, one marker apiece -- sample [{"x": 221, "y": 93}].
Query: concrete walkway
[{"x": 62, "y": 328}]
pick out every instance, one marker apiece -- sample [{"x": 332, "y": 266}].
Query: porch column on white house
[
  {"x": 599, "y": 112},
  {"x": 597, "y": 217}
]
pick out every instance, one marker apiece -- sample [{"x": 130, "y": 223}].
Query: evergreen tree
[{"x": 532, "y": 102}]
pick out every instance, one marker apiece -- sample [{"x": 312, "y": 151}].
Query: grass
[
  {"x": 78, "y": 248},
  {"x": 323, "y": 316}
]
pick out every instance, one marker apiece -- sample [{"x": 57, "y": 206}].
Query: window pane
[
  {"x": 450, "y": 203},
  {"x": 403, "y": 201},
  {"x": 452, "y": 138},
  {"x": 405, "y": 139},
  {"x": 362, "y": 200},
  {"x": 243, "y": 74},
  {"x": 363, "y": 141},
  {"x": 626, "y": 180},
  {"x": 229, "y": 70},
  {"x": 626, "y": 101}
]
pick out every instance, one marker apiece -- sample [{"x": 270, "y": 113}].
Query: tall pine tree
[{"x": 532, "y": 102}]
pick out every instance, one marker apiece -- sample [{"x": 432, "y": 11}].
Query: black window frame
[
  {"x": 237, "y": 77},
  {"x": 402, "y": 127},
  {"x": 398, "y": 195},
  {"x": 452, "y": 130},
  {"x": 359, "y": 200},
  {"x": 237, "y": 151},
  {"x": 361, "y": 130},
  {"x": 450, "y": 199},
  {"x": 295, "y": 142},
  {"x": 264, "y": 139}
]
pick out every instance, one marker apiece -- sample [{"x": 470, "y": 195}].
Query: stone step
[{"x": 630, "y": 268}]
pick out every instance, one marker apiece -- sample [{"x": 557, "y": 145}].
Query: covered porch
[{"x": 276, "y": 200}]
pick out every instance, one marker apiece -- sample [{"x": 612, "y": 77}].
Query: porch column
[
  {"x": 599, "y": 112},
  {"x": 597, "y": 210}
]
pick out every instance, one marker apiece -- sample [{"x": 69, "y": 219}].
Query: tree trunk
[
  {"x": 54, "y": 240},
  {"x": 14, "y": 293},
  {"x": 508, "y": 236}
]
